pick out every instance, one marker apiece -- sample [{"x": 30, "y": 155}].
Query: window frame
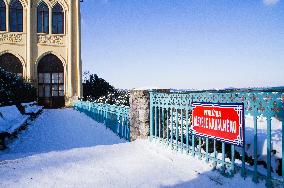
[
  {"x": 56, "y": 15},
  {"x": 3, "y": 8},
  {"x": 42, "y": 14},
  {"x": 46, "y": 82},
  {"x": 16, "y": 9},
  {"x": 51, "y": 77}
]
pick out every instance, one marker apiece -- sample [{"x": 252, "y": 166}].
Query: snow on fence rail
[
  {"x": 171, "y": 124},
  {"x": 113, "y": 117}
]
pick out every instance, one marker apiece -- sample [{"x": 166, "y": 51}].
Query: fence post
[
  {"x": 268, "y": 178},
  {"x": 151, "y": 118},
  {"x": 139, "y": 114}
]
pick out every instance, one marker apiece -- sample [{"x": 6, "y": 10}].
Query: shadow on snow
[{"x": 57, "y": 130}]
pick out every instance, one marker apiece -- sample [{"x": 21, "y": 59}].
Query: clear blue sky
[{"x": 184, "y": 43}]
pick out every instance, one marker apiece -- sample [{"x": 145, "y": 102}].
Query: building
[{"x": 40, "y": 41}]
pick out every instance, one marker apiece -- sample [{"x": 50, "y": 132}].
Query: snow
[
  {"x": 11, "y": 119},
  {"x": 56, "y": 130},
  {"x": 31, "y": 108},
  {"x": 147, "y": 88},
  {"x": 65, "y": 148},
  {"x": 118, "y": 98}
]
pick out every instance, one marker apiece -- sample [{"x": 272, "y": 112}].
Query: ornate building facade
[{"x": 40, "y": 41}]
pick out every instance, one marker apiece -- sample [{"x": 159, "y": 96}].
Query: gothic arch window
[
  {"x": 11, "y": 63},
  {"x": 51, "y": 81},
  {"x": 16, "y": 16},
  {"x": 2, "y": 16},
  {"x": 42, "y": 18},
  {"x": 57, "y": 19}
]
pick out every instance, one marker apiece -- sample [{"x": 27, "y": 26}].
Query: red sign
[{"x": 224, "y": 122}]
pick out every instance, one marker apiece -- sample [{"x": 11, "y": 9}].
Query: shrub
[
  {"x": 95, "y": 87},
  {"x": 15, "y": 90},
  {"x": 98, "y": 90},
  {"x": 118, "y": 97}
]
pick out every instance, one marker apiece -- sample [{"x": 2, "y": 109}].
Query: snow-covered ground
[
  {"x": 65, "y": 148},
  {"x": 31, "y": 108}
]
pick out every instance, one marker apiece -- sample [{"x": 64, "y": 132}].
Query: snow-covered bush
[
  {"x": 98, "y": 90},
  {"x": 15, "y": 90},
  {"x": 118, "y": 97}
]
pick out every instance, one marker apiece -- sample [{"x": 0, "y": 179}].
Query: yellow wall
[{"x": 30, "y": 47}]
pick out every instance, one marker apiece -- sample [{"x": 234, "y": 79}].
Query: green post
[
  {"x": 268, "y": 178},
  {"x": 255, "y": 175}
]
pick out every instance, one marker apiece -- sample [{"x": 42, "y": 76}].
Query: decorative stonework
[
  {"x": 50, "y": 40},
  {"x": 11, "y": 38}
]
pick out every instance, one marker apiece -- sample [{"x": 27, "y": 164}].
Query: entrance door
[{"x": 51, "y": 82}]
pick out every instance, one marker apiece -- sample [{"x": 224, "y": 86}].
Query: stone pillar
[
  {"x": 140, "y": 113},
  {"x": 29, "y": 69},
  {"x": 50, "y": 21},
  {"x": 7, "y": 17},
  {"x": 70, "y": 52},
  {"x": 79, "y": 60}
]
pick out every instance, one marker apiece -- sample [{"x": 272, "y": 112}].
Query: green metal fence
[
  {"x": 113, "y": 117},
  {"x": 170, "y": 123}
]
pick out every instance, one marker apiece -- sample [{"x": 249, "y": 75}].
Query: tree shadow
[
  {"x": 213, "y": 179},
  {"x": 58, "y": 130}
]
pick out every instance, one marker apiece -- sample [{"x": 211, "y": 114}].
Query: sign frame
[{"x": 236, "y": 106}]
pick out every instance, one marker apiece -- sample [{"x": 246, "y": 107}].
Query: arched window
[
  {"x": 51, "y": 81},
  {"x": 42, "y": 18},
  {"x": 11, "y": 63},
  {"x": 16, "y": 16},
  {"x": 2, "y": 16},
  {"x": 57, "y": 19}
]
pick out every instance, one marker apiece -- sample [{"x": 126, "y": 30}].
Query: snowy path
[{"x": 64, "y": 148}]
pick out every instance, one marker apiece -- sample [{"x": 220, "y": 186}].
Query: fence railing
[
  {"x": 113, "y": 117},
  {"x": 170, "y": 123}
]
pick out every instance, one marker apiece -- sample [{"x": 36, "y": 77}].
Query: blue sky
[{"x": 184, "y": 43}]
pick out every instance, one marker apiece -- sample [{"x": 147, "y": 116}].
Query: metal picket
[
  {"x": 113, "y": 117},
  {"x": 181, "y": 137}
]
